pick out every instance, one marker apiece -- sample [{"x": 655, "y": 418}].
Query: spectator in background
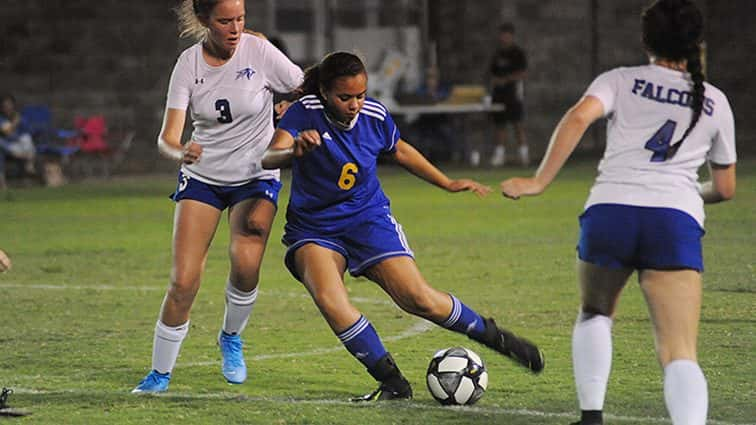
[
  {"x": 432, "y": 133},
  {"x": 15, "y": 140},
  {"x": 507, "y": 73}
]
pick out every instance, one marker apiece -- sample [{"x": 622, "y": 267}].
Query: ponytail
[
  {"x": 189, "y": 13},
  {"x": 673, "y": 30},
  {"x": 311, "y": 83},
  {"x": 697, "y": 76}
]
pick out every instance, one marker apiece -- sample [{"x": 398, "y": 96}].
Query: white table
[{"x": 446, "y": 108}]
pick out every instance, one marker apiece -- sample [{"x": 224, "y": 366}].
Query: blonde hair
[{"x": 189, "y": 13}]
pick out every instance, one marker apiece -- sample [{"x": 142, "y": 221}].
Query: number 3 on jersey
[
  {"x": 347, "y": 178},
  {"x": 222, "y": 106},
  {"x": 659, "y": 142}
]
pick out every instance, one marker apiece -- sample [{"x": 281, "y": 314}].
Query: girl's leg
[
  {"x": 600, "y": 288},
  {"x": 249, "y": 224},
  {"x": 322, "y": 271},
  {"x": 401, "y": 279},
  {"x": 194, "y": 225},
  {"x": 674, "y": 303}
]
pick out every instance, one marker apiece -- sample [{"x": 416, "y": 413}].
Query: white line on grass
[
  {"x": 263, "y": 292},
  {"x": 489, "y": 410}
]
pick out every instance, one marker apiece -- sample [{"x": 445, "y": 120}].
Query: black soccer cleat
[
  {"x": 590, "y": 417},
  {"x": 393, "y": 385},
  {"x": 518, "y": 349},
  {"x": 387, "y": 392}
]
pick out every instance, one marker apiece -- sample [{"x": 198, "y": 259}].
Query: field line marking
[
  {"x": 297, "y": 294},
  {"x": 495, "y": 410}
]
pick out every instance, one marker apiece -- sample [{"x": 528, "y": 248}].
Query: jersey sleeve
[
  {"x": 282, "y": 74},
  {"x": 391, "y": 134},
  {"x": 295, "y": 119},
  {"x": 604, "y": 88},
  {"x": 179, "y": 88},
  {"x": 723, "y": 146}
]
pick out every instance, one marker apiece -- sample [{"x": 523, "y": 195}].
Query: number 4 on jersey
[{"x": 659, "y": 142}]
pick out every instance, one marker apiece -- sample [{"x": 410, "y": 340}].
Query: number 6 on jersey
[{"x": 347, "y": 178}]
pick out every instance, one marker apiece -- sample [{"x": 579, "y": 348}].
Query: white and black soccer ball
[{"x": 456, "y": 376}]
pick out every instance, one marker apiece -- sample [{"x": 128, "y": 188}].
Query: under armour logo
[
  {"x": 361, "y": 355},
  {"x": 269, "y": 194},
  {"x": 199, "y": 81},
  {"x": 246, "y": 72}
]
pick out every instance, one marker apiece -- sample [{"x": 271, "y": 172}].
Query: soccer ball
[{"x": 456, "y": 376}]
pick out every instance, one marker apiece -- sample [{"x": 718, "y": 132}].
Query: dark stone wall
[
  {"x": 114, "y": 57},
  {"x": 563, "y": 59}
]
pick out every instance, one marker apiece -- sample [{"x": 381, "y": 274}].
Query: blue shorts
[
  {"x": 626, "y": 236},
  {"x": 363, "y": 243},
  {"x": 222, "y": 197}
]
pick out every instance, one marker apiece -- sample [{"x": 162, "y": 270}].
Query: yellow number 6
[{"x": 347, "y": 179}]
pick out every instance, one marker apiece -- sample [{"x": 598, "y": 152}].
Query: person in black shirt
[{"x": 507, "y": 72}]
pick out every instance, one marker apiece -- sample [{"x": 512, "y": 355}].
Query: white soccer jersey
[
  {"x": 648, "y": 109},
  {"x": 232, "y": 108}
]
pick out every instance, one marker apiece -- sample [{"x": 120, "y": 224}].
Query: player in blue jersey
[
  {"x": 227, "y": 80},
  {"x": 338, "y": 218},
  {"x": 645, "y": 210}
]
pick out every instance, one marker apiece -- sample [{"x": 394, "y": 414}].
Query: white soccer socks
[
  {"x": 685, "y": 392},
  {"x": 592, "y": 359},
  {"x": 239, "y": 306},
  {"x": 166, "y": 345}
]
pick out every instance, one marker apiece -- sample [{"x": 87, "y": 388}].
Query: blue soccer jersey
[{"x": 336, "y": 184}]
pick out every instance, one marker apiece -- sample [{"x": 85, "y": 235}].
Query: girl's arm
[
  {"x": 414, "y": 162},
  {"x": 169, "y": 140},
  {"x": 565, "y": 138},
  {"x": 284, "y": 147}
]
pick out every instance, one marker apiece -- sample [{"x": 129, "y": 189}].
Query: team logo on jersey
[
  {"x": 246, "y": 72},
  {"x": 327, "y": 136}
]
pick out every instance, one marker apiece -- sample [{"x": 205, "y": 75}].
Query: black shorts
[{"x": 513, "y": 113}]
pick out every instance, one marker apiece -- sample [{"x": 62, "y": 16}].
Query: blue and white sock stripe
[
  {"x": 455, "y": 313},
  {"x": 237, "y": 297},
  {"x": 354, "y": 330}
]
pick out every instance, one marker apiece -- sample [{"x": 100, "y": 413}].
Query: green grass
[{"x": 91, "y": 263}]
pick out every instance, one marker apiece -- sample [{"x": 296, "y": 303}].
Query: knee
[
  {"x": 254, "y": 228},
  {"x": 422, "y": 302},
  {"x": 183, "y": 291}
]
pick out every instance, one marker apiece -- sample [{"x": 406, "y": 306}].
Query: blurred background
[{"x": 113, "y": 58}]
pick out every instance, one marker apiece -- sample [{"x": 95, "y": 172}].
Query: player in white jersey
[
  {"x": 227, "y": 80},
  {"x": 645, "y": 210}
]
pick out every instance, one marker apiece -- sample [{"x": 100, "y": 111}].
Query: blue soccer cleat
[
  {"x": 234, "y": 369},
  {"x": 154, "y": 382}
]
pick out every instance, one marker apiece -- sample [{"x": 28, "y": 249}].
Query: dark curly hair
[{"x": 673, "y": 29}]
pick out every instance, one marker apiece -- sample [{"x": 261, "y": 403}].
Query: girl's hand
[
  {"x": 191, "y": 152},
  {"x": 521, "y": 186},
  {"x": 466, "y": 184},
  {"x": 305, "y": 142}
]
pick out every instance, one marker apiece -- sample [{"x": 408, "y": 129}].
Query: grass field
[{"x": 91, "y": 263}]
